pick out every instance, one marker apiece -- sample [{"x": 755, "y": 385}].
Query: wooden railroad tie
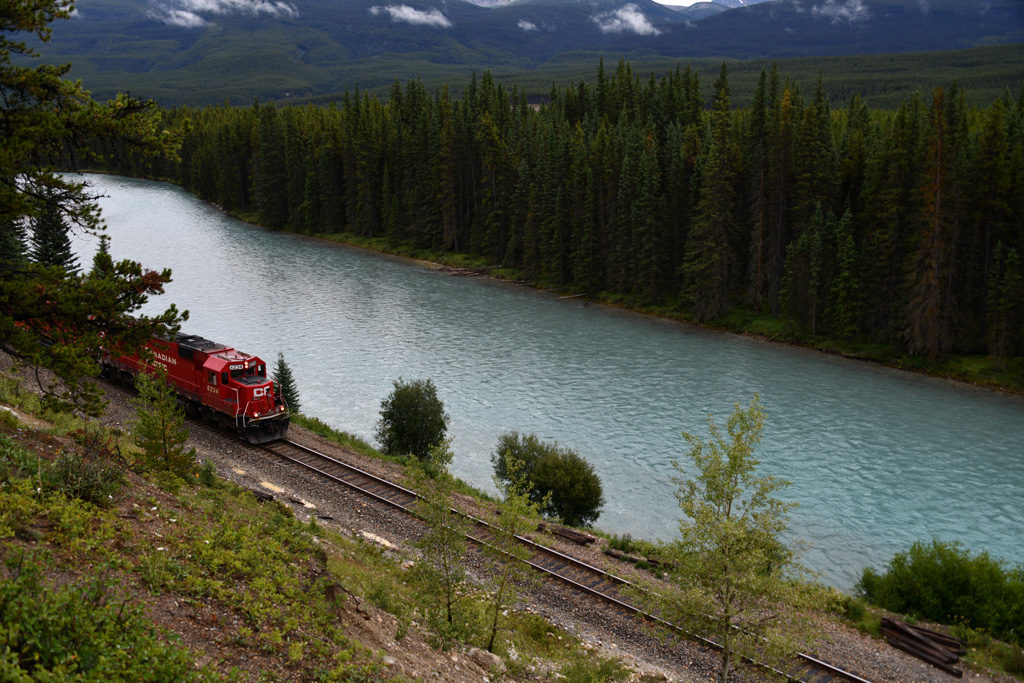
[
  {"x": 937, "y": 649},
  {"x": 567, "y": 533}
]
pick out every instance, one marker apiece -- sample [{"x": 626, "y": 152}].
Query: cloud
[
  {"x": 527, "y": 25},
  {"x": 178, "y": 17},
  {"x": 626, "y": 18},
  {"x": 431, "y": 17},
  {"x": 193, "y": 13},
  {"x": 849, "y": 11}
]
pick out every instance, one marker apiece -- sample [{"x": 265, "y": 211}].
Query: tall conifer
[
  {"x": 710, "y": 263},
  {"x": 50, "y": 244}
]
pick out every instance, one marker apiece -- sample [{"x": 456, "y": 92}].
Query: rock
[
  {"x": 652, "y": 677},
  {"x": 487, "y": 660},
  {"x": 388, "y": 660}
]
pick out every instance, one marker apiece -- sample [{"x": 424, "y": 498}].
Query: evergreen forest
[{"x": 898, "y": 229}]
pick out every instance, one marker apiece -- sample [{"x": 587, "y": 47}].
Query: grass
[
  {"x": 342, "y": 438},
  {"x": 982, "y": 650},
  {"x": 275, "y": 586},
  {"x": 318, "y": 426}
]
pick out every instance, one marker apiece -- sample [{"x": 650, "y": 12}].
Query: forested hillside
[{"x": 902, "y": 229}]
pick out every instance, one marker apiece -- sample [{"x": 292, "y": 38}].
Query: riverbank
[
  {"x": 977, "y": 370},
  {"x": 974, "y": 369},
  {"x": 171, "y": 549}
]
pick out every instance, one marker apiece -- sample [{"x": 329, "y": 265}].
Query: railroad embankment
[
  {"x": 241, "y": 573},
  {"x": 253, "y": 570}
]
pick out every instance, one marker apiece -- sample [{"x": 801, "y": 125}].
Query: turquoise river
[{"x": 878, "y": 458}]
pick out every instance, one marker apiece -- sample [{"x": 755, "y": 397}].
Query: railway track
[{"x": 582, "y": 576}]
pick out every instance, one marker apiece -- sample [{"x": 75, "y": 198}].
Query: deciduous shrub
[
  {"x": 412, "y": 419},
  {"x": 575, "y": 490},
  {"x": 93, "y": 482},
  {"x": 81, "y": 632},
  {"x": 944, "y": 582}
]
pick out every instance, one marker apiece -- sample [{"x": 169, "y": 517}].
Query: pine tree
[
  {"x": 270, "y": 174},
  {"x": 12, "y": 244},
  {"x": 50, "y": 244},
  {"x": 931, "y": 282},
  {"x": 51, "y": 319},
  {"x": 710, "y": 265},
  {"x": 159, "y": 429},
  {"x": 1006, "y": 306},
  {"x": 286, "y": 387},
  {"x": 757, "y": 184},
  {"x": 845, "y": 300},
  {"x": 805, "y": 281},
  {"x": 648, "y": 238}
]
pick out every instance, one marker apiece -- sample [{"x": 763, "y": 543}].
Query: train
[{"x": 215, "y": 382}]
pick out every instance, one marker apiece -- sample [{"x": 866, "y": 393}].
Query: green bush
[
  {"x": 575, "y": 489},
  {"x": 80, "y": 632},
  {"x": 945, "y": 583},
  {"x": 412, "y": 419},
  {"x": 93, "y": 482},
  {"x": 16, "y": 462}
]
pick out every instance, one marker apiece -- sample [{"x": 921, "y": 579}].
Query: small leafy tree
[
  {"x": 559, "y": 476},
  {"x": 412, "y": 419},
  {"x": 285, "y": 382},
  {"x": 159, "y": 429},
  {"x": 516, "y": 513},
  {"x": 730, "y": 563},
  {"x": 444, "y": 545}
]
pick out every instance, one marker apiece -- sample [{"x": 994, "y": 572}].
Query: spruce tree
[
  {"x": 710, "y": 264},
  {"x": 932, "y": 283},
  {"x": 12, "y": 244},
  {"x": 52, "y": 319},
  {"x": 1006, "y": 306},
  {"x": 50, "y": 244},
  {"x": 845, "y": 301},
  {"x": 159, "y": 429},
  {"x": 286, "y": 387}
]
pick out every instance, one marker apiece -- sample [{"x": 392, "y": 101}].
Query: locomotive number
[{"x": 235, "y": 367}]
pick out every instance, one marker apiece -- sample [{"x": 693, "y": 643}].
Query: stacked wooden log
[
  {"x": 567, "y": 533},
  {"x": 937, "y": 649}
]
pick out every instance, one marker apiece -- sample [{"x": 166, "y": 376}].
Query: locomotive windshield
[{"x": 248, "y": 372}]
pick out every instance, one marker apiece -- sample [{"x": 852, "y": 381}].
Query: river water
[{"x": 878, "y": 458}]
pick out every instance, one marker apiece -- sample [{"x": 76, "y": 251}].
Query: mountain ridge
[{"x": 308, "y": 47}]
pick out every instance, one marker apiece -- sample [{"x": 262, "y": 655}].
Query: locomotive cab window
[
  {"x": 211, "y": 376},
  {"x": 223, "y": 378}
]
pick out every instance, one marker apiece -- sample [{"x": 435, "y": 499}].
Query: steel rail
[{"x": 537, "y": 548}]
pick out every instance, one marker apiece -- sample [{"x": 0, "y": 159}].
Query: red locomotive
[{"x": 218, "y": 383}]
